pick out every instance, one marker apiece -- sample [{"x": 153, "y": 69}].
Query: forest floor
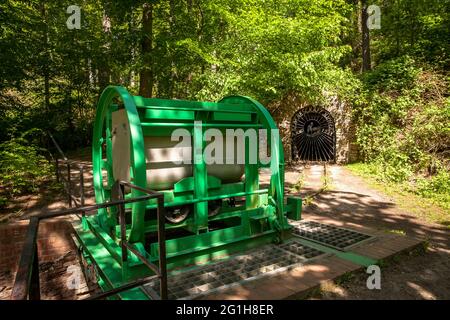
[{"x": 343, "y": 197}]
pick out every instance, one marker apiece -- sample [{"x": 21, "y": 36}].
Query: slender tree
[
  {"x": 104, "y": 69},
  {"x": 366, "y": 58},
  {"x": 146, "y": 73},
  {"x": 46, "y": 59}
]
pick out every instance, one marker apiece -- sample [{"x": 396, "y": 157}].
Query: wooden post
[
  {"x": 57, "y": 169},
  {"x": 69, "y": 192},
  {"x": 82, "y": 185}
]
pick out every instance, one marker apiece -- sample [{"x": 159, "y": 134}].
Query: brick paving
[{"x": 58, "y": 259}]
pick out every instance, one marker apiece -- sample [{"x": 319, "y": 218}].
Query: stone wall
[{"x": 346, "y": 148}]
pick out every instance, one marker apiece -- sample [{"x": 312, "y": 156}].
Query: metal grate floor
[
  {"x": 221, "y": 275},
  {"x": 336, "y": 237}
]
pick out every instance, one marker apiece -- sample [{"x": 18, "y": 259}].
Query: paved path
[{"x": 350, "y": 202}]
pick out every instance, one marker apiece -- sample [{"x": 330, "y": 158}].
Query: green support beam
[{"x": 223, "y": 217}]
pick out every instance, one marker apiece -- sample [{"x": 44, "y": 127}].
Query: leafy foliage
[
  {"x": 51, "y": 77},
  {"x": 23, "y": 168},
  {"x": 403, "y": 127}
]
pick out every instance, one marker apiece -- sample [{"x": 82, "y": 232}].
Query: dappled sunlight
[
  {"x": 290, "y": 284},
  {"x": 349, "y": 203},
  {"x": 425, "y": 294},
  {"x": 352, "y": 203}
]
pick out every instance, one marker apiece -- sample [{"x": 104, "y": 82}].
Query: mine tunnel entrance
[{"x": 313, "y": 135}]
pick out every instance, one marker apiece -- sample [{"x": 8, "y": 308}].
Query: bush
[
  {"x": 23, "y": 168},
  {"x": 402, "y": 127},
  {"x": 398, "y": 74},
  {"x": 437, "y": 188}
]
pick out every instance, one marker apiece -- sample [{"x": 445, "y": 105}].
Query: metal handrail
[
  {"x": 26, "y": 284},
  {"x": 71, "y": 198},
  {"x": 128, "y": 286},
  {"x": 125, "y": 245},
  {"x": 57, "y": 146}
]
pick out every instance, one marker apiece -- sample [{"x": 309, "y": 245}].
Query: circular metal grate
[{"x": 313, "y": 135}]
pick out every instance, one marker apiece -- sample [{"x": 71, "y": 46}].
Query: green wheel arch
[
  {"x": 137, "y": 155},
  {"x": 138, "y": 161},
  {"x": 276, "y": 151}
]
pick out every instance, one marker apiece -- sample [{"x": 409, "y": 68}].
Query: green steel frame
[{"x": 261, "y": 219}]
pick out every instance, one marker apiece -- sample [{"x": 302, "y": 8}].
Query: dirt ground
[{"x": 349, "y": 200}]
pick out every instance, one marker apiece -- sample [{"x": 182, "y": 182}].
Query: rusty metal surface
[{"x": 28, "y": 269}]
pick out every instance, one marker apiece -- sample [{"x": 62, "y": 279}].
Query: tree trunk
[
  {"x": 46, "y": 68},
  {"x": 146, "y": 74},
  {"x": 104, "y": 72},
  {"x": 366, "y": 63},
  {"x": 173, "y": 67}
]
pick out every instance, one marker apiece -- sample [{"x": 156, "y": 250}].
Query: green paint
[
  {"x": 260, "y": 221},
  {"x": 346, "y": 255},
  {"x": 188, "y": 184},
  {"x": 168, "y": 114},
  {"x": 294, "y": 208},
  {"x": 232, "y": 117}
]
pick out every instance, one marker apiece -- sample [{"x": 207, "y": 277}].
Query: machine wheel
[
  {"x": 177, "y": 214},
  {"x": 214, "y": 207}
]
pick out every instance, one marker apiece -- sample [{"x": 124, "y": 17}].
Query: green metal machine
[{"x": 211, "y": 210}]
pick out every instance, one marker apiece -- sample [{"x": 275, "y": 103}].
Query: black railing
[
  {"x": 26, "y": 284},
  {"x": 61, "y": 162}
]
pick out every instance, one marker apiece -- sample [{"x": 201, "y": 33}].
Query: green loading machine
[{"x": 210, "y": 211}]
